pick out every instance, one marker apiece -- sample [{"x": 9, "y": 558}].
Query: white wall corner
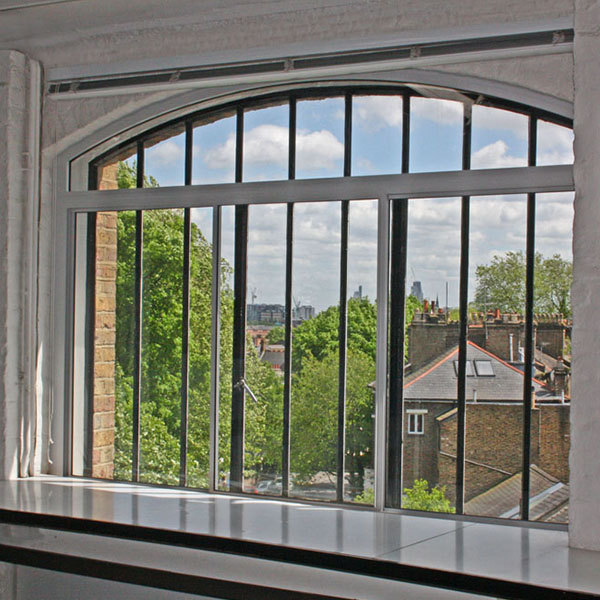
[
  {"x": 584, "y": 509},
  {"x": 20, "y": 85}
]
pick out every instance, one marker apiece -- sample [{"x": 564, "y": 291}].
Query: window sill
[{"x": 463, "y": 555}]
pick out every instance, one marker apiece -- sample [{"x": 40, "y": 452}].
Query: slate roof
[
  {"x": 549, "y": 498},
  {"x": 274, "y": 354},
  {"x": 437, "y": 380}
]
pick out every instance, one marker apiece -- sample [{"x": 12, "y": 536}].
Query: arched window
[{"x": 310, "y": 270}]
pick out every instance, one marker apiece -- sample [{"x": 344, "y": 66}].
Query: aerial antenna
[{"x": 253, "y": 294}]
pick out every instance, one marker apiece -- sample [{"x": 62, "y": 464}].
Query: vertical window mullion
[
  {"x": 287, "y": 373},
  {"x": 215, "y": 350},
  {"x": 239, "y": 323},
  {"x": 343, "y": 323},
  {"x": 397, "y": 300},
  {"x": 529, "y": 349},
  {"x": 185, "y": 317},
  {"x": 461, "y": 388},
  {"x": 397, "y": 327},
  {"x": 137, "y": 341}
]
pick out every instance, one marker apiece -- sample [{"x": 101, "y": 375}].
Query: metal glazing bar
[
  {"x": 137, "y": 334},
  {"x": 185, "y": 316},
  {"x": 397, "y": 297},
  {"x": 287, "y": 369},
  {"x": 405, "y": 131},
  {"x": 343, "y": 340},
  {"x": 239, "y": 324},
  {"x": 215, "y": 350},
  {"x": 343, "y": 324},
  {"x": 461, "y": 390},
  {"x": 529, "y": 349}
]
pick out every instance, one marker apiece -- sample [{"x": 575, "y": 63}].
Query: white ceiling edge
[{"x": 307, "y": 48}]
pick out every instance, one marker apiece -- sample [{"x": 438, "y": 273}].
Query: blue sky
[{"x": 497, "y": 223}]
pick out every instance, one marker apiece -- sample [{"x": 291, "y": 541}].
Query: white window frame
[
  {"x": 383, "y": 188},
  {"x": 416, "y": 417}
]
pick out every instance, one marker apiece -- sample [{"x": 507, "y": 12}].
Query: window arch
[{"x": 210, "y": 389}]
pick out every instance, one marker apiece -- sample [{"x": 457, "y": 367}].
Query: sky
[{"x": 499, "y": 139}]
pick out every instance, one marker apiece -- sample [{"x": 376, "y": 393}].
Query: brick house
[{"x": 494, "y": 423}]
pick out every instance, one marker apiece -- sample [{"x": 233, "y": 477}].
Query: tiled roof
[
  {"x": 437, "y": 380},
  {"x": 549, "y": 498}
]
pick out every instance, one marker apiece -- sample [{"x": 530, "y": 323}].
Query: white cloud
[
  {"x": 318, "y": 150},
  {"x": 268, "y": 144},
  {"x": 486, "y": 117},
  {"x": 376, "y": 112},
  {"x": 164, "y": 154},
  {"x": 443, "y": 112},
  {"x": 555, "y": 144},
  {"x": 221, "y": 156},
  {"x": 495, "y": 156}
]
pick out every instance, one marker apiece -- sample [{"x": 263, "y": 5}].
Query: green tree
[
  {"x": 276, "y": 335},
  {"x": 319, "y": 337},
  {"x": 501, "y": 284},
  {"x": 314, "y": 416},
  {"x": 420, "y": 497}
]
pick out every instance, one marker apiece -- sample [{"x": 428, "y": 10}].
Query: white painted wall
[
  {"x": 19, "y": 134},
  {"x": 584, "y": 509}
]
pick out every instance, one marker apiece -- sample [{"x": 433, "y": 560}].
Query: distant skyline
[{"x": 499, "y": 139}]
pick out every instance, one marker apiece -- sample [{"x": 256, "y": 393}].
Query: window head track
[{"x": 398, "y": 56}]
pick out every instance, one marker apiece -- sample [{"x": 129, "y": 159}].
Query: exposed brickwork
[
  {"x": 493, "y": 445},
  {"x": 501, "y": 335},
  {"x": 419, "y": 454},
  {"x": 551, "y": 337},
  {"x": 428, "y": 338},
  {"x": 555, "y": 440},
  {"x": 103, "y": 417}
]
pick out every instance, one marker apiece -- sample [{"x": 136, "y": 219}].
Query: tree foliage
[
  {"x": 420, "y": 497},
  {"x": 501, "y": 284}
]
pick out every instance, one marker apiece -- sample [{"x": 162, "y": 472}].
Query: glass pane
[
  {"x": 436, "y": 134},
  {"x": 496, "y": 341},
  {"x": 160, "y": 407},
  {"x": 164, "y": 159},
  {"x": 433, "y": 256},
  {"x": 226, "y": 345},
  {"x": 124, "y": 341},
  {"x": 118, "y": 171},
  {"x": 315, "y": 356},
  {"x": 499, "y": 138},
  {"x": 550, "y": 437},
  {"x": 265, "y": 356},
  {"x": 320, "y": 138},
  {"x": 266, "y": 143},
  {"x": 554, "y": 144},
  {"x": 214, "y": 150},
  {"x": 362, "y": 343},
  {"x": 200, "y": 344},
  {"x": 376, "y": 135}
]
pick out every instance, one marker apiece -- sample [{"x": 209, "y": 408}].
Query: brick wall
[
  {"x": 419, "y": 452},
  {"x": 555, "y": 440},
  {"x": 428, "y": 339},
  {"x": 499, "y": 340},
  {"x": 103, "y": 408},
  {"x": 551, "y": 338},
  {"x": 494, "y": 441}
]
